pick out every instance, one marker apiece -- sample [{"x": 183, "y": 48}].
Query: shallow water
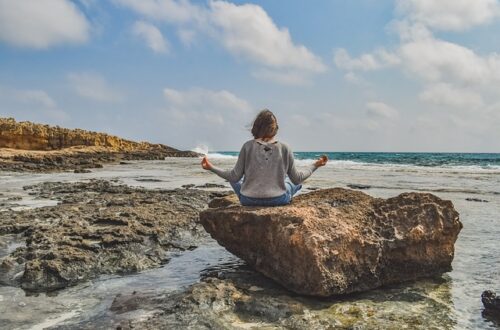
[{"x": 475, "y": 267}]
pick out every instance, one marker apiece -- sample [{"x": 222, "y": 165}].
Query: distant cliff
[
  {"x": 30, "y": 136},
  {"x": 25, "y": 146}
]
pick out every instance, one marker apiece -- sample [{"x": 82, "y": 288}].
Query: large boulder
[{"x": 338, "y": 241}]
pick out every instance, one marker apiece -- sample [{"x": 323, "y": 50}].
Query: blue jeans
[{"x": 286, "y": 198}]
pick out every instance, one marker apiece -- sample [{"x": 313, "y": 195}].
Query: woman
[{"x": 259, "y": 177}]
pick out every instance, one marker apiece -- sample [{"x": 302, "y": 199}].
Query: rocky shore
[
  {"x": 97, "y": 228},
  {"x": 25, "y": 146},
  {"x": 240, "y": 298}
]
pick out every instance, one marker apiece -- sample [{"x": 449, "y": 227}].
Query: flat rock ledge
[
  {"x": 338, "y": 241},
  {"x": 98, "y": 227}
]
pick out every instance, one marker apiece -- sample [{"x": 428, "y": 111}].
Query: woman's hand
[
  {"x": 321, "y": 161},
  {"x": 205, "y": 163}
]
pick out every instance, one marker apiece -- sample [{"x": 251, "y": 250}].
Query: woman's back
[
  {"x": 259, "y": 176},
  {"x": 264, "y": 166},
  {"x": 265, "y": 169}
]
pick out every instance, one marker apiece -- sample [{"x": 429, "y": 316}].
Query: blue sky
[{"x": 403, "y": 75}]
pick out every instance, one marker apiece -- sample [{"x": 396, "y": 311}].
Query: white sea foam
[
  {"x": 357, "y": 165},
  {"x": 348, "y": 164},
  {"x": 205, "y": 150},
  {"x": 201, "y": 149},
  {"x": 221, "y": 156}
]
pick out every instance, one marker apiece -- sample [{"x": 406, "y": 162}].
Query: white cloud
[
  {"x": 30, "y": 103},
  {"x": 355, "y": 79},
  {"x": 246, "y": 31},
  {"x": 171, "y": 11},
  {"x": 35, "y": 97},
  {"x": 203, "y": 101},
  {"x": 430, "y": 59},
  {"x": 88, "y": 3},
  {"x": 437, "y": 60},
  {"x": 187, "y": 36},
  {"x": 381, "y": 110},
  {"x": 366, "y": 62},
  {"x": 41, "y": 24},
  {"x": 452, "y": 15},
  {"x": 452, "y": 75},
  {"x": 447, "y": 95},
  {"x": 94, "y": 87},
  {"x": 151, "y": 35},
  {"x": 460, "y": 82},
  {"x": 300, "y": 120},
  {"x": 217, "y": 116}
]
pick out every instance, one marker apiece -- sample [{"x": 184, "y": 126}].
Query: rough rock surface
[
  {"x": 338, "y": 241},
  {"x": 98, "y": 228},
  {"x": 243, "y": 299},
  {"x": 491, "y": 304},
  {"x": 25, "y": 146}
]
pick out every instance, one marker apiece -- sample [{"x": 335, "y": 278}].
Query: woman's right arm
[{"x": 295, "y": 175}]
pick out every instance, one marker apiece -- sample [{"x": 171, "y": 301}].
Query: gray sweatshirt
[{"x": 265, "y": 166}]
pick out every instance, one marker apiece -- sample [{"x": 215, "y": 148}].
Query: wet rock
[
  {"x": 82, "y": 170},
  {"x": 243, "y": 299},
  {"x": 211, "y": 185},
  {"x": 358, "y": 186},
  {"x": 470, "y": 199},
  {"x": 148, "y": 180},
  {"x": 491, "y": 303},
  {"x": 338, "y": 241},
  {"x": 99, "y": 228}
]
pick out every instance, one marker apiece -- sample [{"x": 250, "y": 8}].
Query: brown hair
[{"x": 265, "y": 125}]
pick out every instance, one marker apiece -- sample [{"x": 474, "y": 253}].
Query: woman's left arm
[{"x": 236, "y": 173}]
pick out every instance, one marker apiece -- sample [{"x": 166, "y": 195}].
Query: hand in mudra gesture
[
  {"x": 321, "y": 161},
  {"x": 205, "y": 163}
]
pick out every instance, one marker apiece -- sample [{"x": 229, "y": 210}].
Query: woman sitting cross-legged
[{"x": 265, "y": 173}]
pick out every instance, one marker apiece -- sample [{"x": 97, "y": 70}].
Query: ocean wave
[
  {"x": 216, "y": 155},
  {"x": 383, "y": 166},
  {"x": 204, "y": 150},
  {"x": 350, "y": 164},
  {"x": 201, "y": 149}
]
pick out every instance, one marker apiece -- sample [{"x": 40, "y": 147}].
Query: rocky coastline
[
  {"x": 97, "y": 228},
  {"x": 101, "y": 227},
  {"x": 30, "y": 147}
]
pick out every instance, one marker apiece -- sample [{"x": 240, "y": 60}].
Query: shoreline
[{"x": 78, "y": 158}]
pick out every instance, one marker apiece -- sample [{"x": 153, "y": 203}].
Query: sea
[
  {"x": 470, "y": 180},
  {"x": 425, "y": 159}
]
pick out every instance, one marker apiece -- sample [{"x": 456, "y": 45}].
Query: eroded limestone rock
[
  {"x": 98, "y": 228},
  {"x": 26, "y": 146}
]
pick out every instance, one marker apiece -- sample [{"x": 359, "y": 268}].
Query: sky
[{"x": 365, "y": 75}]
